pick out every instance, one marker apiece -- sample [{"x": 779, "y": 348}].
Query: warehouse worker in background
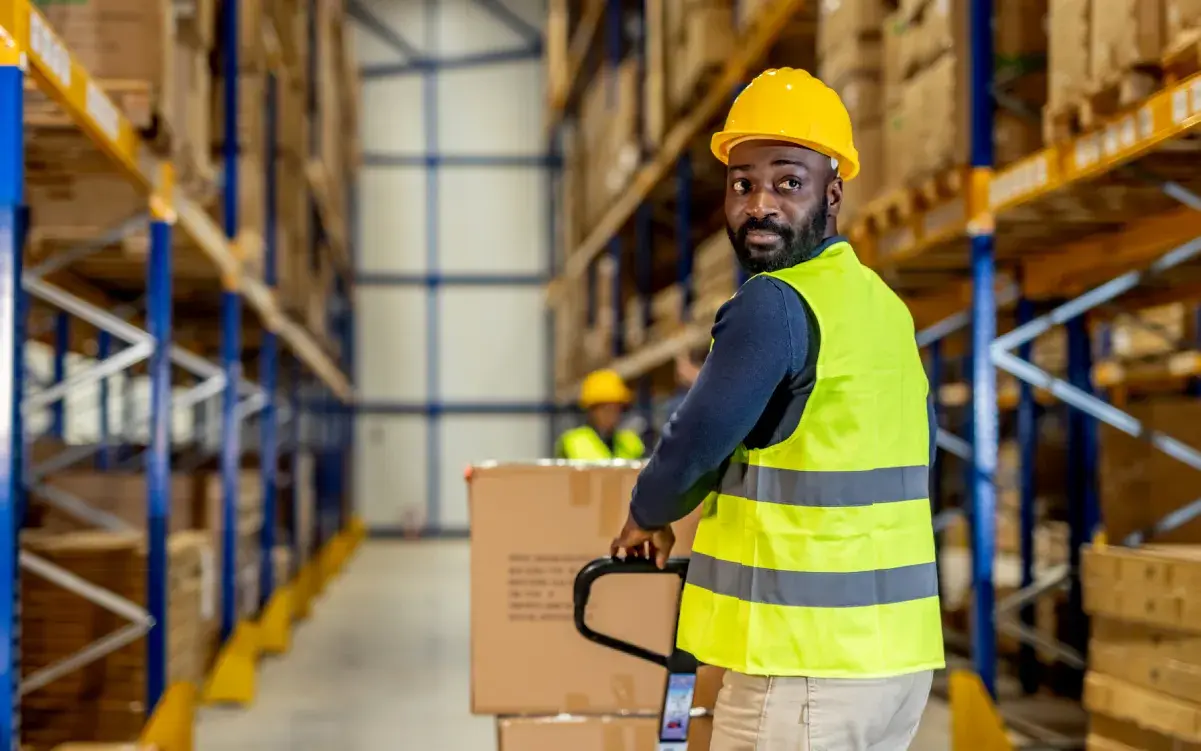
[
  {"x": 604, "y": 396},
  {"x": 813, "y": 571}
]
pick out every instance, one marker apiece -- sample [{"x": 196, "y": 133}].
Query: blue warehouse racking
[
  {"x": 975, "y": 248},
  {"x": 310, "y": 417}
]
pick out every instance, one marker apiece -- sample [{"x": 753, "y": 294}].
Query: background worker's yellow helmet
[
  {"x": 604, "y": 387},
  {"x": 788, "y": 104}
]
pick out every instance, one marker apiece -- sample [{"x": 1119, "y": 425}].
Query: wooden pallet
[
  {"x": 137, "y": 100},
  {"x": 1119, "y": 92},
  {"x": 1182, "y": 57},
  {"x": 1061, "y": 124}
]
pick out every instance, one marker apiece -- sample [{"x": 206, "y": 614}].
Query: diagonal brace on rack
[
  {"x": 140, "y": 621},
  {"x": 1003, "y": 357},
  {"x": 946, "y": 440}
]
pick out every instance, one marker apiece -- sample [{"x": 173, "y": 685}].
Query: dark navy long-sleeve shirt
[{"x": 751, "y": 390}]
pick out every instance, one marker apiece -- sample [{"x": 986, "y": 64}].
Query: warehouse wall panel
[
  {"x": 391, "y": 344},
  {"x": 490, "y": 354},
  {"x": 392, "y": 227},
  {"x": 492, "y": 220},
  {"x": 473, "y": 389},
  {"x": 392, "y": 118},
  {"x": 404, "y": 17},
  {"x": 390, "y": 477},
  {"x": 465, "y": 27},
  {"x": 468, "y": 440},
  {"x": 370, "y": 49},
  {"x": 496, "y": 109}
]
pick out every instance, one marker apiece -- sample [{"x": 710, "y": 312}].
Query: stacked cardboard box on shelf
[
  {"x": 151, "y": 61},
  {"x": 1051, "y": 538},
  {"x": 549, "y": 687},
  {"x": 1142, "y": 688},
  {"x": 1104, "y": 56},
  {"x": 1152, "y": 332},
  {"x": 851, "y": 54},
  {"x": 103, "y": 701},
  {"x": 686, "y": 42},
  {"x": 598, "y": 337},
  {"x": 1133, "y": 469},
  {"x": 929, "y": 127},
  {"x": 608, "y": 147},
  {"x": 714, "y": 275}
]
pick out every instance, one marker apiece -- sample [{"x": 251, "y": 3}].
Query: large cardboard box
[
  {"x": 1140, "y": 484},
  {"x": 533, "y": 527},
  {"x": 592, "y": 733}
]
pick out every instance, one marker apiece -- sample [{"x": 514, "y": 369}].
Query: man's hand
[{"x": 636, "y": 542}]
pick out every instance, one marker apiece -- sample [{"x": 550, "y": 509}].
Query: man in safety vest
[
  {"x": 808, "y": 437},
  {"x": 605, "y": 397}
]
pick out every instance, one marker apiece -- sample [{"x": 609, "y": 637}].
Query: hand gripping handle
[{"x": 604, "y": 567}]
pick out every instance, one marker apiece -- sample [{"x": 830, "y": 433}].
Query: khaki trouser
[{"x": 756, "y": 713}]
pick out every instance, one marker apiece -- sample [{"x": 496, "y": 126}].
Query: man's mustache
[{"x": 764, "y": 225}]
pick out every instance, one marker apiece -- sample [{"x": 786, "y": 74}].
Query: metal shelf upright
[{"x": 28, "y": 46}]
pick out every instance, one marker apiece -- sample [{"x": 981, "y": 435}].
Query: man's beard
[{"x": 798, "y": 247}]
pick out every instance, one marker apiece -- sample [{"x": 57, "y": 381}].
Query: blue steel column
[
  {"x": 294, "y": 432},
  {"x": 644, "y": 269},
  {"x": 433, "y": 435},
  {"x": 104, "y": 459},
  {"x": 1027, "y": 430},
  {"x": 984, "y": 330},
  {"x": 21, "y": 454},
  {"x": 935, "y": 378},
  {"x": 684, "y": 231},
  {"x": 62, "y": 342},
  {"x": 1083, "y": 515},
  {"x": 615, "y": 298},
  {"x": 231, "y": 345},
  {"x": 12, "y": 190},
  {"x": 158, "y": 459},
  {"x": 269, "y": 363}
]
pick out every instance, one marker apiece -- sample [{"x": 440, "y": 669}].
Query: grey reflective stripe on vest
[
  {"x": 813, "y": 488},
  {"x": 813, "y": 589}
]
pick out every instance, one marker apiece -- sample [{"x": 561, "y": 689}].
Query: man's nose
[{"x": 761, "y": 204}]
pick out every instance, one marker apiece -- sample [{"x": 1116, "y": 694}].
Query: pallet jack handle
[
  {"x": 608, "y": 566},
  {"x": 674, "y": 717}
]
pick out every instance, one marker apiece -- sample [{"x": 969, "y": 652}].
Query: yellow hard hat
[
  {"x": 604, "y": 387},
  {"x": 788, "y": 104}
]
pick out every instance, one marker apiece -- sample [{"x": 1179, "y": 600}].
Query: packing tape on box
[
  {"x": 587, "y": 483},
  {"x": 622, "y": 684}
]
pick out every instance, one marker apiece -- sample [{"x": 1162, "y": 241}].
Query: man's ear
[{"x": 834, "y": 197}]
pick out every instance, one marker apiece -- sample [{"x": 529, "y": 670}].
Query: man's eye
[
  {"x": 741, "y": 186},
  {"x": 790, "y": 183}
]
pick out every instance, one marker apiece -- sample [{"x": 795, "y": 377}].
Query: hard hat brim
[{"x": 722, "y": 142}]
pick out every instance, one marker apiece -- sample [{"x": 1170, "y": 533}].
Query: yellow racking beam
[
  {"x": 1163, "y": 117},
  {"x": 57, "y": 73},
  {"x": 762, "y": 34},
  {"x": 563, "y": 78}
]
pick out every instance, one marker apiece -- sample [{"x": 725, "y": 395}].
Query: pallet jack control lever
[{"x": 681, "y": 666}]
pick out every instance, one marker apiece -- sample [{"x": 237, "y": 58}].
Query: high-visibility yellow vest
[
  {"x": 815, "y": 557},
  {"x": 583, "y": 443}
]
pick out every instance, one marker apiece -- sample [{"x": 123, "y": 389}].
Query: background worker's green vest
[
  {"x": 816, "y": 556},
  {"x": 584, "y": 444}
]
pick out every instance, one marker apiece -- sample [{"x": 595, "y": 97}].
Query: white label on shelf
[
  {"x": 1146, "y": 123},
  {"x": 208, "y": 584},
  {"x": 1195, "y": 96},
  {"x": 1179, "y": 105},
  {"x": 1040, "y": 171},
  {"x": 45, "y": 45},
  {"x": 1111, "y": 141},
  {"x": 100, "y": 108},
  {"x": 1080, "y": 156},
  {"x": 1128, "y": 132}
]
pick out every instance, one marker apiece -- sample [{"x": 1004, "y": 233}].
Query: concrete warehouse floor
[{"x": 384, "y": 664}]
